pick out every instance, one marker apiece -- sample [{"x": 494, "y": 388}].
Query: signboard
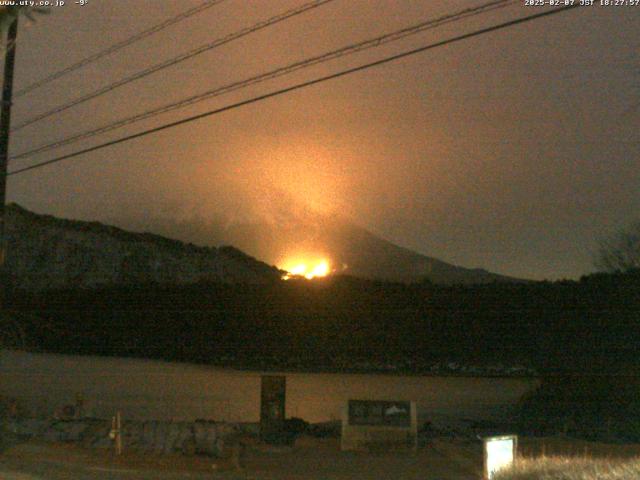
[
  {"x": 499, "y": 453},
  {"x": 380, "y": 413},
  {"x": 379, "y": 425}
]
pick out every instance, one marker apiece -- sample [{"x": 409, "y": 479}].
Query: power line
[
  {"x": 350, "y": 49},
  {"x": 119, "y": 46},
  {"x": 297, "y": 87},
  {"x": 173, "y": 61}
]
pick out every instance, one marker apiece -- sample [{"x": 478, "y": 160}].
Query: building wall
[
  {"x": 321, "y": 397},
  {"x": 146, "y": 389}
]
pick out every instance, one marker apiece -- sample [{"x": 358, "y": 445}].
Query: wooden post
[
  {"x": 5, "y": 124},
  {"x": 118, "y": 434}
]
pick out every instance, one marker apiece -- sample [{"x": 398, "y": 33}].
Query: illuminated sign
[{"x": 499, "y": 453}]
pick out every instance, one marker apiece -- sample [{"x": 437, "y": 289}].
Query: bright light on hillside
[{"x": 305, "y": 268}]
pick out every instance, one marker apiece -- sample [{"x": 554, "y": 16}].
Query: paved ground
[{"x": 309, "y": 460}]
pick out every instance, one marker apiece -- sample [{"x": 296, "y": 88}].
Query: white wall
[
  {"x": 142, "y": 389},
  {"x": 320, "y": 397},
  {"x": 146, "y": 389}
]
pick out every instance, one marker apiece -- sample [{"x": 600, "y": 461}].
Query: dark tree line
[{"x": 347, "y": 323}]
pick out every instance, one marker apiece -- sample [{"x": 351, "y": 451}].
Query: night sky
[{"x": 515, "y": 151}]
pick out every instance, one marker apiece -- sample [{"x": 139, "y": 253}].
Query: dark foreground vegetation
[
  {"x": 581, "y": 337},
  {"x": 339, "y": 323}
]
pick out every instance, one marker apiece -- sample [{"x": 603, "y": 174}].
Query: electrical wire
[
  {"x": 118, "y": 46},
  {"x": 279, "y": 72},
  {"x": 299, "y": 86},
  {"x": 174, "y": 61}
]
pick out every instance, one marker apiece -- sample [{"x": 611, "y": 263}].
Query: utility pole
[{"x": 5, "y": 125}]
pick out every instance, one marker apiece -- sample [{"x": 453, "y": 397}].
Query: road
[{"x": 313, "y": 460}]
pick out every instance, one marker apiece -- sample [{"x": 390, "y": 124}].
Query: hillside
[
  {"x": 359, "y": 252},
  {"x": 46, "y": 252},
  {"x": 351, "y": 249}
]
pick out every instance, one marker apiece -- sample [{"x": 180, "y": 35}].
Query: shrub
[{"x": 591, "y": 407}]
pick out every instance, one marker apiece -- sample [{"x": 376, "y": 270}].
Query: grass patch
[{"x": 571, "y": 468}]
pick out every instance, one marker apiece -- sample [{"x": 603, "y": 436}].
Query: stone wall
[{"x": 199, "y": 437}]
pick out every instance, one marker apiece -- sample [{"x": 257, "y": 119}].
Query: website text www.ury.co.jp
[{"x": 39, "y": 3}]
